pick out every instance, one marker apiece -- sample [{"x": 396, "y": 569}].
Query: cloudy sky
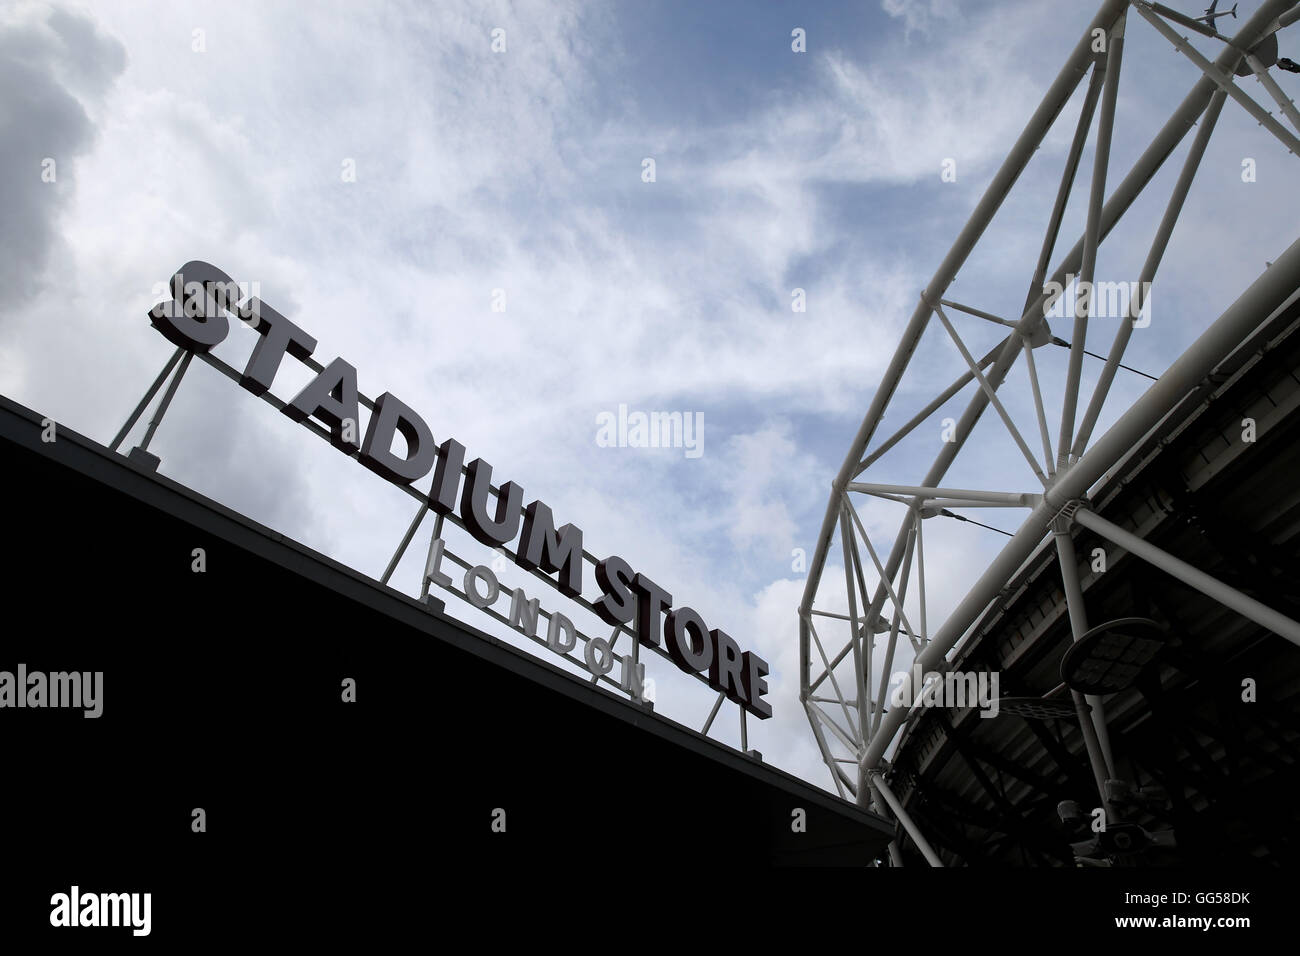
[{"x": 381, "y": 170}]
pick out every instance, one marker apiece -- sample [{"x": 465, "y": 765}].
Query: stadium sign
[{"x": 197, "y": 318}]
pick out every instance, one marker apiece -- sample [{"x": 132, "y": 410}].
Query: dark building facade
[{"x": 224, "y": 690}]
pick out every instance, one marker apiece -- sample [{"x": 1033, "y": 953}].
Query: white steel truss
[{"x": 876, "y": 583}]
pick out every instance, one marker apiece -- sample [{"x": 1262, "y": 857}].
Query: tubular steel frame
[{"x": 860, "y": 723}]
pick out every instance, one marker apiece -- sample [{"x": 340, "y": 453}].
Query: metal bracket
[{"x": 1064, "y": 519}]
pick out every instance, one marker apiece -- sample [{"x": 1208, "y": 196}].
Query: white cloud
[{"x": 921, "y": 14}]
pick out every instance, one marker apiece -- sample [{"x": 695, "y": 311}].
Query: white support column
[
  {"x": 1261, "y": 614},
  {"x": 922, "y": 844},
  {"x": 1155, "y": 254},
  {"x": 1006, "y": 498},
  {"x": 1285, "y": 102},
  {"x": 1092, "y": 715},
  {"x": 1032, "y": 368},
  {"x": 1092, "y": 237}
]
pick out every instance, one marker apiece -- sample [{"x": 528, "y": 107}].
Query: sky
[{"x": 386, "y": 176}]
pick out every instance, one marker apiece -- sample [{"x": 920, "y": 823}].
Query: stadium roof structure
[{"x": 1139, "y": 619}]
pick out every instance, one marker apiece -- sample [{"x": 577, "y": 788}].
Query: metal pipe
[
  {"x": 838, "y": 617},
  {"x": 868, "y": 638},
  {"x": 920, "y": 580},
  {"x": 166, "y": 401},
  {"x": 1258, "y": 612},
  {"x": 835, "y": 661},
  {"x": 835, "y": 685},
  {"x": 1096, "y": 757},
  {"x": 1091, "y": 239},
  {"x": 893, "y": 631},
  {"x": 922, "y": 844},
  {"x": 1154, "y": 257},
  {"x": 148, "y": 397},
  {"x": 713, "y": 713},
  {"x": 993, "y": 497},
  {"x": 1092, "y": 716},
  {"x": 855, "y": 630},
  {"x": 434, "y": 556},
  {"x": 992, "y": 396},
  {"x": 1039, "y": 411},
  {"x": 405, "y": 543},
  {"x": 986, "y": 316},
  {"x": 850, "y": 741},
  {"x": 965, "y": 503},
  {"x": 929, "y": 410},
  {"x": 1064, "y": 189},
  {"x": 1275, "y": 91},
  {"x": 885, "y": 579}
]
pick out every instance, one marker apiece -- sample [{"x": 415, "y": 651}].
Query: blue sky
[{"x": 521, "y": 171}]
